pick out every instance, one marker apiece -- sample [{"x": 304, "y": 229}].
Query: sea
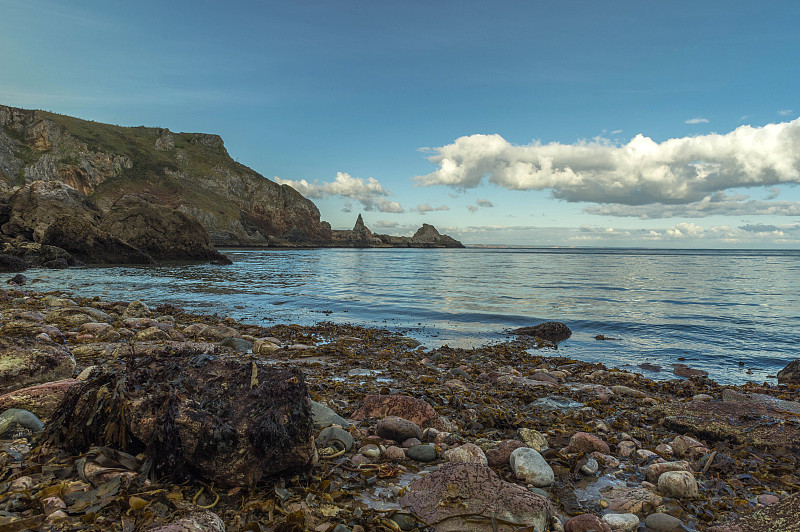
[{"x": 733, "y": 313}]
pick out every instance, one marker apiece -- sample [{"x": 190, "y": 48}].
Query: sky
[{"x": 571, "y": 123}]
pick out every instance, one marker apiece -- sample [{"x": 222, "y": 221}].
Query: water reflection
[{"x": 711, "y": 308}]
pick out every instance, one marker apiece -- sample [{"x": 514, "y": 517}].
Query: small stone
[
  {"x": 468, "y": 453},
  {"x": 360, "y": 459},
  {"x": 262, "y": 346},
  {"x": 686, "y": 445},
  {"x": 422, "y": 453},
  {"x": 622, "y": 522},
  {"x": 413, "y": 442},
  {"x": 644, "y": 454},
  {"x": 533, "y": 439},
  {"x": 405, "y": 521},
  {"x": 152, "y": 334},
  {"x": 659, "y": 522},
  {"x": 335, "y": 437},
  {"x": 628, "y": 391},
  {"x": 324, "y": 416},
  {"x": 654, "y": 471},
  {"x": 586, "y": 523},
  {"x": 664, "y": 450},
  {"x": 702, "y": 397},
  {"x": 678, "y": 484},
  {"x": 585, "y": 442},
  {"x": 528, "y": 465},
  {"x": 500, "y": 454},
  {"x": 395, "y": 453},
  {"x": 239, "y": 345},
  {"x": 590, "y": 467},
  {"x": 17, "y": 419},
  {"x": 341, "y": 528},
  {"x": 136, "y": 309},
  {"x": 397, "y": 429},
  {"x": 767, "y": 499},
  {"x": 626, "y": 448},
  {"x": 370, "y": 451},
  {"x": 21, "y": 483}
]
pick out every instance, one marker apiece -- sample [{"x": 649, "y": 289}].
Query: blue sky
[{"x": 543, "y": 123}]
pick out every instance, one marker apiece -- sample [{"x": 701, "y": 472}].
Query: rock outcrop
[
  {"x": 361, "y": 237},
  {"x": 188, "y": 172}
]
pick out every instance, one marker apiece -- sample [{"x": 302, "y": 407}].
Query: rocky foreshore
[{"x": 123, "y": 416}]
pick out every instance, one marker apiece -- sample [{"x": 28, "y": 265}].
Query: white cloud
[
  {"x": 616, "y": 131},
  {"x": 697, "y": 120},
  {"x": 785, "y": 112},
  {"x": 484, "y": 203},
  {"x": 676, "y": 171},
  {"x": 472, "y": 208},
  {"x": 369, "y": 192},
  {"x": 715, "y": 204},
  {"x": 426, "y": 208},
  {"x": 386, "y": 224}
]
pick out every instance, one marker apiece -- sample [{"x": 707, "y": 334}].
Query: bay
[{"x": 733, "y": 313}]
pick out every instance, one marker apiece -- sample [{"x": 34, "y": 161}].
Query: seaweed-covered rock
[
  {"x": 10, "y": 263},
  {"x": 790, "y": 374},
  {"x": 28, "y": 361},
  {"x": 479, "y": 494},
  {"x": 193, "y": 415},
  {"x": 204, "y": 521},
  {"x": 779, "y": 517},
  {"x": 554, "y": 331}
]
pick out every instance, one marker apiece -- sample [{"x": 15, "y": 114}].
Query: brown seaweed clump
[{"x": 193, "y": 415}]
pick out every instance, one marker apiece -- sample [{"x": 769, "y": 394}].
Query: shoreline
[{"x": 482, "y": 398}]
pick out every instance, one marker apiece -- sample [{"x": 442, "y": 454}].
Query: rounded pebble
[
  {"x": 422, "y": 453},
  {"x": 622, "y": 522},
  {"x": 527, "y": 464},
  {"x": 678, "y": 484},
  {"x": 663, "y": 523},
  {"x": 468, "y": 453}
]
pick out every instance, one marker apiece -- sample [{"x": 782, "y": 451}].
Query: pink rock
[
  {"x": 499, "y": 455},
  {"x": 394, "y": 453},
  {"x": 404, "y": 406},
  {"x": 41, "y": 399},
  {"x": 585, "y": 442},
  {"x": 766, "y": 499},
  {"x": 586, "y": 523}
]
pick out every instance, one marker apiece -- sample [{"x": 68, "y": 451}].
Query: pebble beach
[{"x": 509, "y": 436}]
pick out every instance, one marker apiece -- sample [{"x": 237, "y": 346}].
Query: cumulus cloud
[
  {"x": 697, "y": 120},
  {"x": 426, "y": 208},
  {"x": 370, "y": 193},
  {"x": 676, "y": 171},
  {"x": 715, "y": 204}
]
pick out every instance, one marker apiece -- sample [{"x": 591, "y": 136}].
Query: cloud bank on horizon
[{"x": 688, "y": 171}]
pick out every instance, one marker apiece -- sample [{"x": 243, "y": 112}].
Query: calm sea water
[{"x": 735, "y": 314}]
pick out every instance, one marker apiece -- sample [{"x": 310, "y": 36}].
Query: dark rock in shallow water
[
  {"x": 554, "y": 331},
  {"x": 10, "y": 263},
  {"x": 193, "y": 415},
  {"x": 790, "y": 374},
  {"x": 18, "y": 280}
]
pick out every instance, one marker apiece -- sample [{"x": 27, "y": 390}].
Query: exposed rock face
[
  {"x": 28, "y": 361},
  {"x": 790, "y": 374},
  {"x": 360, "y": 236},
  {"x": 227, "y": 421},
  {"x": 190, "y": 172},
  {"x": 474, "y": 490},
  {"x": 161, "y": 232}
]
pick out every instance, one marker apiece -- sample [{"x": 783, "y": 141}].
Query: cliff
[
  {"x": 188, "y": 172},
  {"x": 360, "y": 236}
]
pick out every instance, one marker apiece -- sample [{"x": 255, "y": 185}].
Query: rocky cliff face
[{"x": 188, "y": 172}]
